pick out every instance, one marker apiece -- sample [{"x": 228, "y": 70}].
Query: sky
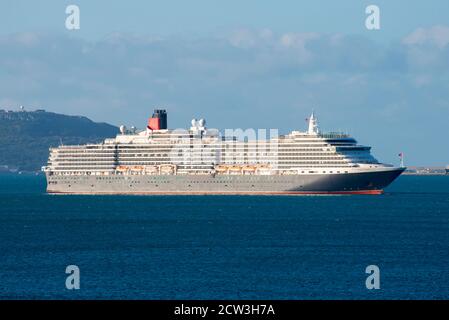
[{"x": 239, "y": 64}]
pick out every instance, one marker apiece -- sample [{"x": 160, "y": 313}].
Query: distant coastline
[
  {"x": 26, "y": 136},
  {"x": 427, "y": 171}
]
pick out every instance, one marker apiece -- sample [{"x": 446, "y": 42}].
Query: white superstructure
[{"x": 202, "y": 151}]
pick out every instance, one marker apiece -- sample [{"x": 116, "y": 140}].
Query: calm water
[{"x": 225, "y": 247}]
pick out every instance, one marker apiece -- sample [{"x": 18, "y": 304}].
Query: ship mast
[{"x": 313, "y": 125}]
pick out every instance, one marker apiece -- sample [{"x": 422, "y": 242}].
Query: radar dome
[
  {"x": 122, "y": 129},
  {"x": 193, "y": 122},
  {"x": 202, "y": 122}
]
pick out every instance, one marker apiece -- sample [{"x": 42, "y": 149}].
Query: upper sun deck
[
  {"x": 210, "y": 136},
  {"x": 319, "y": 135}
]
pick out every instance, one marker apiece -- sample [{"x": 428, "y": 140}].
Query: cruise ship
[{"x": 199, "y": 160}]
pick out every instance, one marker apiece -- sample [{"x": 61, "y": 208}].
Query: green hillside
[{"x": 26, "y": 136}]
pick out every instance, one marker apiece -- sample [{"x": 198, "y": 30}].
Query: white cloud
[
  {"x": 436, "y": 35},
  {"x": 266, "y": 34},
  {"x": 298, "y": 40},
  {"x": 243, "y": 38},
  {"x": 27, "y": 39},
  {"x": 422, "y": 80},
  {"x": 236, "y": 80}
]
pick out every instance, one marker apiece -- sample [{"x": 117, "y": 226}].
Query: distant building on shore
[{"x": 427, "y": 170}]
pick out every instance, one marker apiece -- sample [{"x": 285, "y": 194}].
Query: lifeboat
[
  {"x": 167, "y": 168},
  {"x": 235, "y": 170},
  {"x": 248, "y": 170},
  {"x": 264, "y": 171},
  {"x": 150, "y": 168}
]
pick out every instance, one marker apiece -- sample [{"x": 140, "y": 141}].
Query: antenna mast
[{"x": 313, "y": 125}]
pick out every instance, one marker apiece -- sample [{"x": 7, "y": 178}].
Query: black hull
[{"x": 365, "y": 181}]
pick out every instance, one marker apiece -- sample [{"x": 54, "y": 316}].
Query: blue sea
[{"x": 225, "y": 247}]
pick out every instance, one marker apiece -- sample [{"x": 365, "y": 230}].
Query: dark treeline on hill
[{"x": 26, "y": 136}]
